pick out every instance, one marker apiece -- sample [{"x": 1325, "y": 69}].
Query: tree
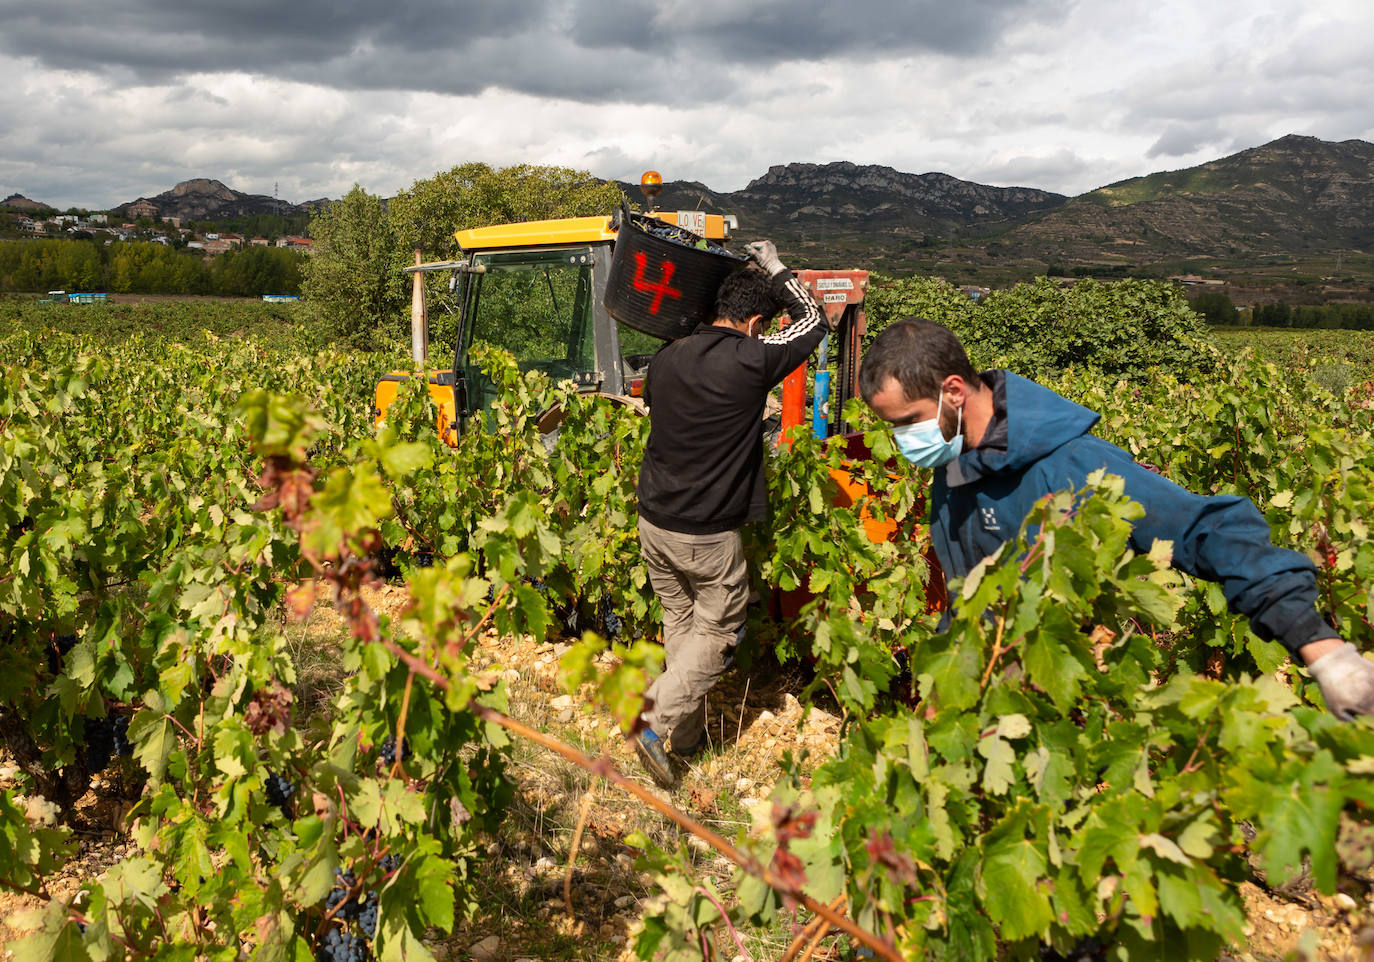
[
  {"x": 258, "y": 270},
  {"x": 1273, "y": 315},
  {"x": 76, "y": 265},
  {"x": 427, "y": 214},
  {"x": 355, "y": 277},
  {"x": 1215, "y": 307},
  {"x": 351, "y": 280}
]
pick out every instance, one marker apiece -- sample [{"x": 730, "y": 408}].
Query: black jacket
[{"x": 703, "y": 466}]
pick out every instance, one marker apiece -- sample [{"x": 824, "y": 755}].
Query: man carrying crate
[{"x": 702, "y": 479}]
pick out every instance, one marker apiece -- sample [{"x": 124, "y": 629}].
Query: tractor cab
[{"x": 535, "y": 289}]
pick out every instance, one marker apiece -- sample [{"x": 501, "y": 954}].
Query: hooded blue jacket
[{"x": 980, "y": 499}]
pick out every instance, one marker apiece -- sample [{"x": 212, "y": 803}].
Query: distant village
[
  {"x": 123, "y": 225},
  {"x": 169, "y": 231}
]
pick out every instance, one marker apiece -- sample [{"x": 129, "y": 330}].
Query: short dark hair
[
  {"x": 920, "y": 354},
  {"x": 745, "y": 293}
]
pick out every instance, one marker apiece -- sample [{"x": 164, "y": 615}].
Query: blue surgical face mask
[{"x": 924, "y": 444}]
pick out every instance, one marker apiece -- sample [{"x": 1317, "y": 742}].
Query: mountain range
[
  {"x": 796, "y": 198},
  {"x": 1296, "y": 197},
  {"x": 206, "y": 199},
  {"x": 1294, "y": 194}
]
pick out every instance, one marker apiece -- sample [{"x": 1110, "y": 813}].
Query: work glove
[
  {"x": 764, "y": 254},
  {"x": 1347, "y": 682}
]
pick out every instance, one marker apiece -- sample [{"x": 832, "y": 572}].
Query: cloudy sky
[{"x": 105, "y": 102}]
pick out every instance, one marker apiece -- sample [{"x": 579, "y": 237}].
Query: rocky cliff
[{"x": 841, "y": 198}]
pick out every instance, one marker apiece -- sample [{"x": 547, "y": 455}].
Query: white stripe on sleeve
[{"x": 799, "y": 327}]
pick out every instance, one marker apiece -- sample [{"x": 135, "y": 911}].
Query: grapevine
[{"x": 1029, "y": 802}]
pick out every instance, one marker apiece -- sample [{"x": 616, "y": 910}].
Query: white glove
[
  {"x": 1347, "y": 682},
  {"x": 766, "y": 256}
]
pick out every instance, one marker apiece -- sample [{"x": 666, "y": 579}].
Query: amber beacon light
[{"x": 651, "y": 183}]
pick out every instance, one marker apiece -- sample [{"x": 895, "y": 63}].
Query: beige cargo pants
[{"x": 703, "y": 584}]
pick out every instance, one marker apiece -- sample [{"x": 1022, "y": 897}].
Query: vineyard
[{"x": 278, "y": 685}]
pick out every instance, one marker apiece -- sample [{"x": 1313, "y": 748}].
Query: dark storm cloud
[
  {"x": 588, "y": 50},
  {"x": 154, "y": 38},
  {"x": 767, "y": 33},
  {"x": 1180, "y": 140}
]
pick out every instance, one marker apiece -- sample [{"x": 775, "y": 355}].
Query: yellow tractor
[{"x": 536, "y": 289}]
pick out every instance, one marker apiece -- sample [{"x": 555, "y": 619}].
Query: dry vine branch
[
  {"x": 811, "y": 933},
  {"x": 584, "y": 810}
]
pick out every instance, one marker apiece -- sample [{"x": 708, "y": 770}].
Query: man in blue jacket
[{"x": 999, "y": 443}]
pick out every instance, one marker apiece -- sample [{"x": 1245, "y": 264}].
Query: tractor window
[{"x": 538, "y": 306}]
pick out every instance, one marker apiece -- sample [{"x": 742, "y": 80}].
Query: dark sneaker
[{"x": 649, "y": 748}]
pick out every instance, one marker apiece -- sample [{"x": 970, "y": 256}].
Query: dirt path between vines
[{"x": 522, "y": 913}]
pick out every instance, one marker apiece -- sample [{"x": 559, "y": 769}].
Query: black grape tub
[{"x": 663, "y": 278}]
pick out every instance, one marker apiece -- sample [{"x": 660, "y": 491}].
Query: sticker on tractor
[
  {"x": 834, "y": 284},
  {"x": 837, "y": 298},
  {"x": 692, "y": 220}
]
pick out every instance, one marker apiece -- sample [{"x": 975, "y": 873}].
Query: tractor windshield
[{"x": 538, "y": 306}]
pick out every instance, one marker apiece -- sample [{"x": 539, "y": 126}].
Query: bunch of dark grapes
[
  {"x": 100, "y": 744},
  {"x": 390, "y": 863},
  {"x": 342, "y": 946},
  {"x": 345, "y": 910},
  {"x": 57, "y": 652},
  {"x": 609, "y": 619},
  {"x": 343, "y": 884},
  {"x": 105, "y": 738},
  {"x": 367, "y": 918},
  {"x": 122, "y": 748},
  {"x": 279, "y": 791},
  {"x": 390, "y": 752},
  {"x": 1090, "y": 949}
]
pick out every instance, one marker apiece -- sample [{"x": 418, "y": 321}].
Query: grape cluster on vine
[
  {"x": 341, "y": 905},
  {"x": 338, "y": 901},
  {"x": 57, "y": 652},
  {"x": 340, "y": 946},
  {"x": 390, "y": 752},
  {"x": 367, "y": 918},
  {"x": 610, "y": 621},
  {"x": 279, "y": 792},
  {"x": 106, "y": 738}
]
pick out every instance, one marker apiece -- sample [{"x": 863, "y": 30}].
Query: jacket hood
[{"x": 1038, "y": 422}]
